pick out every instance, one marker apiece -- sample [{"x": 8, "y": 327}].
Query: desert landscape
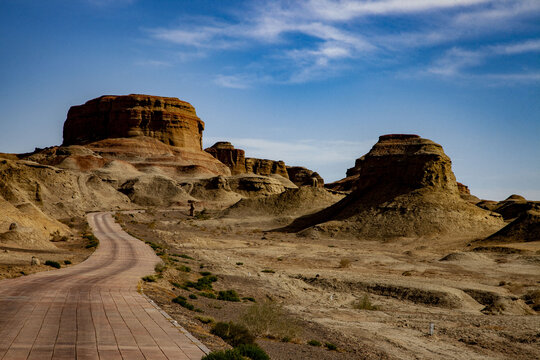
[{"x": 397, "y": 260}]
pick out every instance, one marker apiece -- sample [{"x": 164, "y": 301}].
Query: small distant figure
[{"x": 191, "y": 209}]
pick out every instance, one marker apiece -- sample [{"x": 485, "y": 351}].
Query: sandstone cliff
[
  {"x": 302, "y": 176},
  {"x": 225, "y": 152},
  {"x": 405, "y": 188},
  {"x": 168, "y": 119}
]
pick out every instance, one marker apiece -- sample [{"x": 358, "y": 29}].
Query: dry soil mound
[
  {"x": 303, "y": 200},
  {"x": 524, "y": 229},
  {"x": 405, "y": 188}
]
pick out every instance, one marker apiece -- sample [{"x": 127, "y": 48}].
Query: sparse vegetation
[
  {"x": 204, "y": 283},
  {"x": 183, "y": 268},
  {"x": 252, "y": 351},
  {"x": 205, "y": 320},
  {"x": 232, "y": 333},
  {"x": 208, "y": 295},
  {"x": 54, "y": 264},
  {"x": 344, "y": 263},
  {"x": 67, "y": 262},
  {"x": 239, "y": 263},
  {"x": 224, "y": 355},
  {"x": 228, "y": 295},
  {"x": 364, "y": 304},
  {"x": 160, "y": 267},
  {"x": 92, "y": 241},
  {"x": 269, "y": 319},
  {"x": 330, "y": 346},
  {"x": 314, "y": 343},
  {"x": 205, "y": 273},
  {"x": 269, "y": 271},
  {"x": 149, "y": 278},
  {"x": 182, "y": 301},
  {"x": 192, "y": 296}
]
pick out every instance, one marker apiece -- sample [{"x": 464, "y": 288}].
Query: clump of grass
[
  {"x": 228, "y": 295},
  {"x": 92, "y": 241},
  {"x": 231, "y": 354},
  {"x": 175, "y": 284},
  {"x": 252, "y": 351},
  {"x": 204, "y": 283},
  {"x": 269, "y": 271},
  {"x": 160, "y": 267},
  {"x": 192, "y": 296},
  {"x": 54, "y": 264},
  {"x": 232, "y": 333},
  {"x": 182, "y": 301},
  {"x": 183, "y": 268},
  {"x": 205, "y": 320},
  {"x": 344, "y": 263},
  {"x": 314, "y": 343},
  {"x": 252, "y": 299},
  {"x": 364, "y": 304},
  {"x": 208, "y": 295},
  {"x": 67, "y": 262},
  {"x": 205, "y": 273},
  {"x": 149, "y": 278},
  {"x": 270, "y": 320},
  {"x": 239, "y": 263},
  {"x": 154, "y": 246},
  {"x": 330, "y": 346}
]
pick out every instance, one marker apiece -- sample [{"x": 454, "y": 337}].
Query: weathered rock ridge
[
  {"x": 235, "y": 159},
  {"x": 170, "y": 120},
  {"x": 404, "y": 187}
]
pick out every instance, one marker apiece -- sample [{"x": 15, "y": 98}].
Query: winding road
[{"x": 91, "y": 310}]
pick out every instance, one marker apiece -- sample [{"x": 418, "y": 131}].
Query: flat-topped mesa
[
  {"x": 168, "y": 119},
  {"x": 400, "y": 163},
  {"x": 225, "y": 152}
]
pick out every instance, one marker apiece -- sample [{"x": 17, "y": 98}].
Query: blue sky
[{"x": 311, "y": 82}]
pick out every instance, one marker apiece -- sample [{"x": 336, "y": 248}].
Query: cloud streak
[{"x": 309, "y": 40}]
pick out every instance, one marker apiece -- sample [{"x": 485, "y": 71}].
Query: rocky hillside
[{"x": 405, "y": 187}]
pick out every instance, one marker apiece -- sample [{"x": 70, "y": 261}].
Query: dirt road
[{"x": 91, "y": 310}]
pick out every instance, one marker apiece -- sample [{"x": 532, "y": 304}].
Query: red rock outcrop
[
  {"x": 301, "y": 176},
  {"x": 225, "y": 152},
  {"x": 170, "y": 120},
  {"x": 266, "y": 167}
]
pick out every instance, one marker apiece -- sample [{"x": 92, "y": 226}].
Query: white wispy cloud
[
  {"x": 456, "y": 61},
  {"x": 335, "y": 35}
]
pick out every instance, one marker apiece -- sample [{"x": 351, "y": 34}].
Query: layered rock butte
[
  {"x": 404, "y": 187},
  {"x": 169, "y": 120}
]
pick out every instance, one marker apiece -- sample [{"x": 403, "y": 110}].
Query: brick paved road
[{"x": 91, "y": 310}]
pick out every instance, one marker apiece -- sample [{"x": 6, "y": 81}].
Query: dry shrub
[
  {"x": 344, "y": 263},
  {"x": 270, "y": 320},
  {"x": 364, "y": 304}
]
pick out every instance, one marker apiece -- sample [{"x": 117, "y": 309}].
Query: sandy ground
[
  {"x": 479, "y": 297},
  {"x": 16, "y": 262}
]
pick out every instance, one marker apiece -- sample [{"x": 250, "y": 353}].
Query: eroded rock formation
[
  {"x": 225, "y": 152},
  {"x": 405, "y": 187},
  {"x": 301, "y": 176},
  {"x": 170, "y": 120}
]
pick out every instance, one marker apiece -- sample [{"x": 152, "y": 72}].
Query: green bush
[
  {"x": 233, "y": 334},
  {"x": 269, "y": 271},
  {"x": 228, "y": 295},
  {"x": 180, "y": 300},
  {"x": 183, "y": 268},
  {"x": 314, "y": 343},
  {"x": 204, "y": 283},
  {"x": 252, "y": 351},
  {"x": 192, "y": 296},
  {"x": 364, "y": 304},
  {"x": 205, "y": 273},
  {"x": 67, "y": 262},
  {"x": 224, "y": 355},
  {"x": 239, "y": 263},
  {"x": 149, "y": 278},
  {"x": 92, "y": 241},
  {"x": 207, "y": 295},
  {"x": 205, "y": 320},
  {"x": 54, "y": 264},
  {"x": 330, "y": 346}
]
